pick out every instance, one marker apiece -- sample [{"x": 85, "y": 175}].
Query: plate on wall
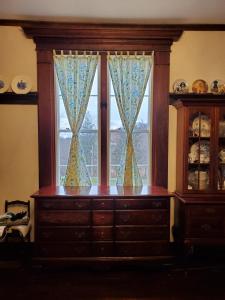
[
  {"x": 21, "y": 84},
  {"x": 217, "y": 87},
  {"x": 4, "y": 84},
  {"x": 199, "y": 86},
  {"x": 180, "y": 86}
]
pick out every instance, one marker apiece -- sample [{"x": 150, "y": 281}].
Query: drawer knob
[
  {"x": 126, "y": 219},
  {"x": 156, "y": 204},
  {"x": 46, "y": 234},
  {"x": 206, "y": 227},
  {"x": 103, "y": 204},
  {"x": 79, "y": 235},
  {"x": 125, "y": 205}
]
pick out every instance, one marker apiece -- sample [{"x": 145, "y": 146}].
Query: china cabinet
[{"x": 200, "y": 170}]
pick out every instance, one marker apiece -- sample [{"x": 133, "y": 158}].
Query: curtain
[
  {"x": 75, "y": 76},
  {"x": 130, "y": 74}
]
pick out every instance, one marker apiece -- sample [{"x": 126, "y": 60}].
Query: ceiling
[{"x": 117, "y": 11}]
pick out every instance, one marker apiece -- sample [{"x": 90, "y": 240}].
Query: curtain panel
[
  {"x": 130, "y": 74},
  {"x": 75, "y": 73}
]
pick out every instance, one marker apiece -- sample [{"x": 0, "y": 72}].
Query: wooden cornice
[
  {"x": 183, "y": 27},
  {"x": 100, "y": 37},
  {"x": 179, "y": 100}
]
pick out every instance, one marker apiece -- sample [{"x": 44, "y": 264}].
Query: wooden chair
[{"x": 21, "y": 231}]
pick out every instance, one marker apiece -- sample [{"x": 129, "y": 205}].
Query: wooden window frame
[{"x": 98, "y": 37}]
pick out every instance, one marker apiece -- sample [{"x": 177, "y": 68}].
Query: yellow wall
[
  {"x": 18, "y": 123},
  {"x": 195, "y": 55}
]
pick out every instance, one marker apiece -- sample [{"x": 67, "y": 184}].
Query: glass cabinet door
[
  {"x": 199, "y": 143},
  {"x": 221, "y": 150}
]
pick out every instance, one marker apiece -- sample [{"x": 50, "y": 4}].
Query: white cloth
[
  {"x": 23, "y": 229},
  {"x": 2, "y": 231}
]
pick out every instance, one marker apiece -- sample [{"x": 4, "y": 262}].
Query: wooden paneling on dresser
[{"x": 101, "y": 222}]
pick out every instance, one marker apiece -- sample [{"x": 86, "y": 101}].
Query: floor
[{"x": 195, "y": 279}]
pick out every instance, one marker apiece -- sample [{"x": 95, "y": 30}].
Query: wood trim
[
  {"x": 104, "y": 119},
  {"x": 186, "y": 27},
  {"x": 178, "y": 100},
  {"x": 160, "y": 120},
  {"x": 103, "y": 37},
  {"x": 46, "y": 118},
  {"x": 12, "y": 98}
]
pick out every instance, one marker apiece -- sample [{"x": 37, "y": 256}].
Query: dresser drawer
[
  {"x": 142, "y": 248},
  {"x": 141, "y": 233},
  {"x": 103, "y": 217},
  {"x": 103, "y": 249},
  {"x": 141, "y": 217},
  {"x": 64, "y": 217},
  {"x": 157, "y": 203},
  {"x": 102, "y": 233},
  {"x": 52, "y": 234},
  {"x": 63, "y": 204},
  {"x": 205, "y": 227},
  {"x": 102, "y": 204},
  {"x": 205, "y": 211},
  {"x": 81, "y": 249}
]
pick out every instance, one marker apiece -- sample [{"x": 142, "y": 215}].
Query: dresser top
[{"x": 101, "y": 191}]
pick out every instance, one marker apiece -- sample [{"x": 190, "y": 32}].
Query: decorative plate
[
  {"x": 203, "y": 157},
  {"x": 217, "y": 87},
  {"x": 222, "y": 155},
  {"x": 180, "y": 86},
  {"x": 21, "y": 84},
  {"x": 4, "y": 84},
  {"x": 200, "y": 86},
  {"x": 201, "y": 125}
]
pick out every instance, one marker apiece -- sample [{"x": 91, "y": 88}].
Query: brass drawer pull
[
  {"x": 156, "y": 204},
  {"x": 206, "y": 227}
]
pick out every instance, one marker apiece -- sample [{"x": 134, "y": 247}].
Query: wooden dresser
[{"x": 76, "y": 223}]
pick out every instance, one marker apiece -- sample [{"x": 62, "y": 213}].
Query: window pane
[
  {"x": 91, "y": 116},
  {"x": 141, "y": 148},
  {"x": 117, "y": 143},
  {"x": 63, "y": 153},
  {"x": 89, "y": 143},
  {"x": 143, "y": 116},
  {"x": 115, "y": 121},
  {"x": 63, "y": 120}
]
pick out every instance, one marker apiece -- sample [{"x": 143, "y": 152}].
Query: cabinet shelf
[
  {"x": 199, "y": 164},
  {"x": 197, "y": 138}
]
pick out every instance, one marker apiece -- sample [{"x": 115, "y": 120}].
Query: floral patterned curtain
[
  {"x": 130, "y": 74},
  {"x": 75, "y": 76}
]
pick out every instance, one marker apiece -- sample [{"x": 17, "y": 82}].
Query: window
[
  {"x": 99, "y": 37},
  {"x": 89, "y": 135}
]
